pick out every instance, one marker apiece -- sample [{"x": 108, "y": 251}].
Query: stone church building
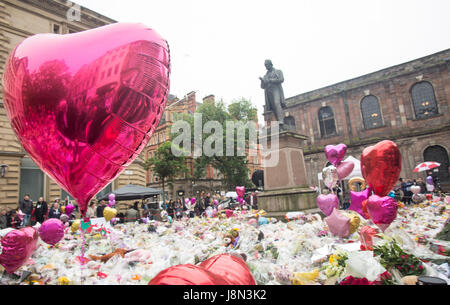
[{"x": 408, "y": 103}]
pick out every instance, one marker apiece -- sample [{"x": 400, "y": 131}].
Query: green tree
[
  {"x": 166, "y": 165},
  {"x": 233, "y": 168}
]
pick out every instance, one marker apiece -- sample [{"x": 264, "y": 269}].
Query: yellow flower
[
  {"x": 334, "y": 258},
  {"x": 63, "y": 280}
]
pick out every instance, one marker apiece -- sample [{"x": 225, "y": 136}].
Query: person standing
[
  {"x": 54, "y": 212},
  {"x": 26, "y": 206},
  {"x": 3, "y": 219},
  {"x": 423, "y": 187},
  {"x": 171, "y": 209},
  {"x": 178, "y": 209},
  {"x": 131, "y": 215},
  {"x": 13, "y": 220},
  {"x": 41, "y": 210},
  {"x": 100, "y": 208},
  {"x": 90, "y": 213},
  {"x": 409, "y": 193},
  {"x": 208, "y": 200}
]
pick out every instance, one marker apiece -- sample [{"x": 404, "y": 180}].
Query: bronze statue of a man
[{"x": 271, "y": 83}]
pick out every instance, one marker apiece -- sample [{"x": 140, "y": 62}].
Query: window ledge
[
  {"x": 330, "y": 136},
  {"x": 378, "y": 127},
  {"x": 428, "y": 117}
]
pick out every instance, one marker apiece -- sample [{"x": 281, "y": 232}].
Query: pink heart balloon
[
  {"x": 415, "y": 189},
  {"x": 382, "y": 210},
  {"x": 327, "y": 203},
  {"x": 356, "y": 200},
  {"x": 69, "y": 209},
  {"x": 335, "y": 153},
  {"x": 240, "y": 190},
  {"x": 344, "y": 169},
  {"x": 17, "y": 248},
  {"x": 338, "y": 224},
  {"x": 51, "y": 231},
  {"x": 85, "y": 105}
]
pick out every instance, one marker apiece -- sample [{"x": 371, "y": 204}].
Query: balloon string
[{"x": 82, "y": 254}]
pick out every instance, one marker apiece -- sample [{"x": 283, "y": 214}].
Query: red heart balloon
[
  {"x": 17, "y": 247},
  {"x": 230, "y": 267},
  {"x": 84, "y": 105},
  {"x": 381, "y": 165},
  {"x": 187, "y": 275}
]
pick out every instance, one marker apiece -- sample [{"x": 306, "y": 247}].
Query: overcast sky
[{"x": 219, "y": 47}]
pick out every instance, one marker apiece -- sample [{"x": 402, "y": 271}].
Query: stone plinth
[{"x": 285, "y": 182}]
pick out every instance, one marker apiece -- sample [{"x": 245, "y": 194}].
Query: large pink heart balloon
[
  {"x": 356, "y": 200},
  {"x": 344, "y": 169},
  {"x": 85, "y": 105},
  {"x": 51, "y": 231},
  {"x": 327, "y": 203},
  {"x": 240, "y": 190},
  {"x": 17, "y": 247},
  {"x": 335, "y": 153},
  {"x": 382, "y": 210}
]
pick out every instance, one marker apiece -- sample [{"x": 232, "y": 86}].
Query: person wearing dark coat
[
  {"x": 100, "y": 208},
  {"x": 41, "y": 210},
  {"x": 54, "y": 212},
  {"x": 3, "y": 219},
  {"x": 26, "y": 206},
  {"x": 13, "y": 220}
]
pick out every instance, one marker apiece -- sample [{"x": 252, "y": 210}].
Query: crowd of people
[
  {"x": 197, "y": 206},
  {"x": 28, "y": 213}
]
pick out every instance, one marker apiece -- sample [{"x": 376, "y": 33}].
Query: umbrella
[{"x": 424, "y": 166}]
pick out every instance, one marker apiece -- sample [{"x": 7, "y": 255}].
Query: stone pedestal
[{"x": 285, "y": 186}]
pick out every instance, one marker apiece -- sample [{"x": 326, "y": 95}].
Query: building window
[
  {"x": 105, "y": 192},
  {"x": 438, "y": 154},
  {"x": 56, "y": 29},
  {"x": 289, "y": 123},
  {"x": 31, "y": 180},
  {"x": 371, "y": 113},
  {"x": 326, "y": 122},
  {"x": 424, "y": 100}
]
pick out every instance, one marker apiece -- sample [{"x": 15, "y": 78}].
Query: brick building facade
[{"x": 407, "y": 103}]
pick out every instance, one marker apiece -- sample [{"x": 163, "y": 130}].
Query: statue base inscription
[{"x": 285, "y": 186}]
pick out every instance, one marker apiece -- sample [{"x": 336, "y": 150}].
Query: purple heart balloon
[
  {"x": 335, "y": 153},
  {"x": 327, "y": 203},
  {"x": 338, "y": 223},
  {"x": 382, "y": 210},
  {"x": 357, "y": 199},
  {"x": 344, "y": 169}
]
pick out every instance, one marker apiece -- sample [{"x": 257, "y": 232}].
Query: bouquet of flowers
[
  {"x": 383, "y": 279},
  {"x": 336, "y": 265},
  {"x": 392, "y": 256}
]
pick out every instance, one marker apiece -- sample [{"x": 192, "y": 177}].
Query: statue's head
[{"x": 268, "y": 64}]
